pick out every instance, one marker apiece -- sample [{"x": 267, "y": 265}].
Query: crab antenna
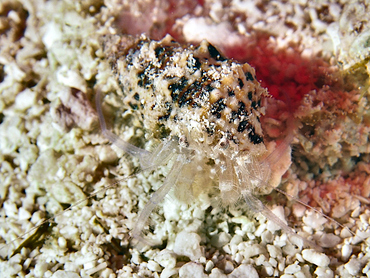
[
  {"x": 256, "y": 205},
  {"x": 316, "y": 210}
]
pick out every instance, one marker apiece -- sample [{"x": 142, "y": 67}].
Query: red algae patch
[{"x": 289, "y": 73}]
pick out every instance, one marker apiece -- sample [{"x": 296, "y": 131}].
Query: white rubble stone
[
  {"x": 188, "y": 244},
  {"x": 217, "y": 273},
  {"x": 353, "y": 266},
  {"x": 324, "y": 272},
  {"x": 315, "y": 257},
  {"x": 192, "y": 270},
  {"x": 244, "y": 271},
  {"x": 65, "y": 274}
]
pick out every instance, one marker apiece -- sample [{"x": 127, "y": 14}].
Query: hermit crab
[{"x": 206, "y": 110}]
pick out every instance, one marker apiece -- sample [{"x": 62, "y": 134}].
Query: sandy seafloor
[{"x": 52, "y": 152}]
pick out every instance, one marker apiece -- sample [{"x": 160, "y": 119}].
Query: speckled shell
[{"x": 194, "y": 92}]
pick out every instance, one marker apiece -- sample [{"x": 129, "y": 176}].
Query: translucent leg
[
  {"x": 127, "y": 147},
  {"x": 160, "y": 156},
  {"x": 157, "y": 198},
  {"x": 148, "y": 160},
  {"x": 228, "y": 183}
]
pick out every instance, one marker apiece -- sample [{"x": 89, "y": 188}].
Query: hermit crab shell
[{"x": 193, "y": 92}]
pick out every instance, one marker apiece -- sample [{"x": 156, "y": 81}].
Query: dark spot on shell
[
  {"x": 163, "y": 53},
  {"x": 250, "y": 95},
  {"x": 144, "y": 80},
  {"x": 193, "y": 64},
  {"x": 195, "y": 105},
  {"x": 218, "y": 107},
  {"x": 177, "y": 87},
  {"x": 255, "y": 138},
  {"x": 168, "y": 108},
  {"x": 159, "y": 50},
  {"x": 215, "y": 53},
  {"x": 240, "y": 113},
  {"x": 243, "y": 125},
  {"x": 241, "y": 83},
  {"x": 210, "y": 129},
  {"x": 136, "y": 96},
  {"x": 133, "y": 106},
  {"x": 254, "y": 104},
  {"x": 249, "y": 76},
  {"x": 190, "y": 94},
  {"x": 197, "y": 63},
  {"x": 231, "y": 93},
  {"x": 209, "y": 88},
  {"x": 45, "y": 101}
]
